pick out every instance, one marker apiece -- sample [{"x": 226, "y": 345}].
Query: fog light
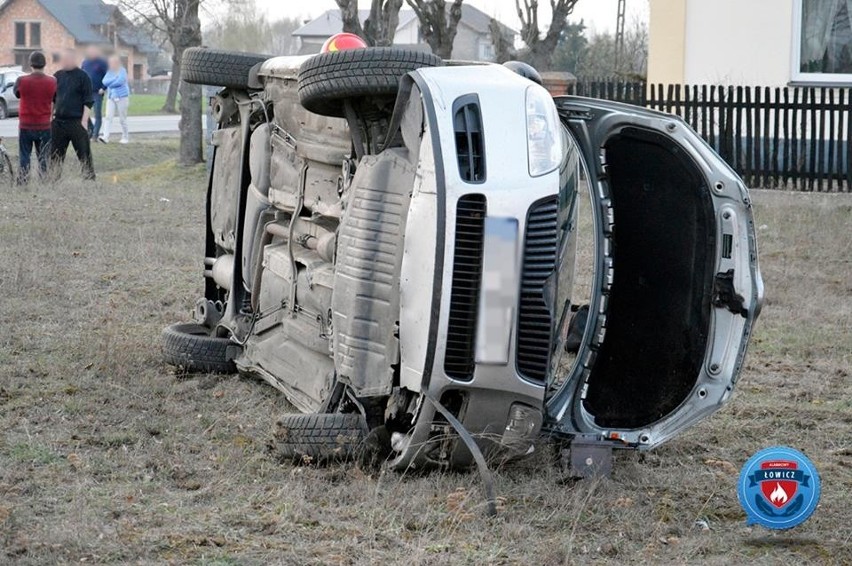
[{"x": 522, "y": 428}]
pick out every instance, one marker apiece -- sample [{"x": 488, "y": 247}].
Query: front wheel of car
[
  {"x": 192, "y": 348},
  {"x": 315, "y": 438},
  {"x": 328, "y": 79}
]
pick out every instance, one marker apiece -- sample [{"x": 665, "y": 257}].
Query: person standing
[
  {"x": 72, "y": 106},
  {"x": 96, "y": 67},
  {"x": 118, "y": 99},
  {"x": 36, "y": 92}
]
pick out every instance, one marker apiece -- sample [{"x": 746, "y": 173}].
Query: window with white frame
[{"x": 822, "y": 44}]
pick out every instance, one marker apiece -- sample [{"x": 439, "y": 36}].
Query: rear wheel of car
[
  {"x": 328, "y": 79},
  {"x": 319, "y": 437},
  {"x": 190, "y": 347},
  {"x": 216, "y": 67}
]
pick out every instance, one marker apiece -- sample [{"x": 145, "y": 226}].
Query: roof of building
[
  {"x": 330, "y": 22},
  {"x": 83, "y": 17}
]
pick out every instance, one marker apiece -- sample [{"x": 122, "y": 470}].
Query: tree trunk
[
  {"x": 540, "y": 49},
  {"x": 191, "y": 131},
  {"x": 349, "y": 15},
  {"x": 438, "y": 24},
  {"x": 189, "y": 35},
  {"x": 503, "y": 49},
  {"x": 170, "y": 105}
]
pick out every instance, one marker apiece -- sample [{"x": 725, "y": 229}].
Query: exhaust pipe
[{"x": 221, "y": 270}]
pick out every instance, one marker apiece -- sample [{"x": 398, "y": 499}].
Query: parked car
[
  {"x": 9, "y": 103},
  {"x": 390, "y": 242}
]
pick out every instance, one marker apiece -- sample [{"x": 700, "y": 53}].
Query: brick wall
[{"x": 54, "y": 39}]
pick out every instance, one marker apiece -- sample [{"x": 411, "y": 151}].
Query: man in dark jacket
[
  {"x": 96, "y": 67},
  {"x": 36, "y": 92},
  {"x": 72, "y": 107}
]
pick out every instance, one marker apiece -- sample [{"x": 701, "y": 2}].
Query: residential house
[
  {"x": 751, "y": 42},
  {"x": 472, "y": 42},
  {"x": 53, "y": 26}
]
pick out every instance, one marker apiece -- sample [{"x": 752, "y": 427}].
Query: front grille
[
  {"x": 467, "y": 278},
  {"x": 535, "y": 324}
]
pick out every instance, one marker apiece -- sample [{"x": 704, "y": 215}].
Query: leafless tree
[
  {"x": 438, "y": 23},
  {"x": 540, "y": 47},
  {"x": 380, "y": 26},
  {"x": 502, "y": 43},
  {"x": 243, "y": 27},
  {"x": 179, "y": 21}
]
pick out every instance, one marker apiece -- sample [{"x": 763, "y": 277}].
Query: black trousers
[{"x": 64, "y": 132}]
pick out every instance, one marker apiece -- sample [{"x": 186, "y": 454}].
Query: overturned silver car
[{"x": 391, "y": 243}]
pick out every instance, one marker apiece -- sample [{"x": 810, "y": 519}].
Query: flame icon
[{"x": 778, "y": 495}]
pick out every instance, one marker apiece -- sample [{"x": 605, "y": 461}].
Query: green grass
[
  {"x": 146, "y": 104},
  {"x": 150, "y": 104}
]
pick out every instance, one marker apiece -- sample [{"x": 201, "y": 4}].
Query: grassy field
[
  {"x": 150, "y": 104},
  {"x": 146, "y": 104},
  {"x": 107, "y": 457}
]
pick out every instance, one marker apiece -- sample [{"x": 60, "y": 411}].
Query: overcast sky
[{"x": 598, "y": 14}]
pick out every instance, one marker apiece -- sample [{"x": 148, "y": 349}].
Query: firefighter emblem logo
[{"x": 779, "y": 488}]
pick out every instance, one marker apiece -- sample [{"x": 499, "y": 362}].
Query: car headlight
[{"x": 544, "y": 139}]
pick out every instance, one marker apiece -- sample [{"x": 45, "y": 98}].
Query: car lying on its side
[{"x": 391, "y": 243}]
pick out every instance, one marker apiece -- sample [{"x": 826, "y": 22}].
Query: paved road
[{"x": 138, "y": 125}]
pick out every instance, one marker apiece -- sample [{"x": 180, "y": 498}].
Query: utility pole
[{"x": 619, "y": 33}]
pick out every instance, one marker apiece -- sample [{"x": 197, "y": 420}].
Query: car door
[{"x": 676, "y": 286}]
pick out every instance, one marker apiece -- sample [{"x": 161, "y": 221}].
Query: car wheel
[
  {"x": 216, "y": 67},
  {"x": 190, "y": 347},
  {"x": 4, "y": 110},
  {"x": 327, "y": 79},
  {"x": 318, "y": 437}
]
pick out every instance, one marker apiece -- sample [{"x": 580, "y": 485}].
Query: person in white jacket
[{"x": 118, "y": 99}]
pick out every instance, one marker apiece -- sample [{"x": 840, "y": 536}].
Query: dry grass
[{"x": 107, "y": 457}]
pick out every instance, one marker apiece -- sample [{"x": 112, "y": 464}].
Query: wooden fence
[{"x": 794, "y": 137}]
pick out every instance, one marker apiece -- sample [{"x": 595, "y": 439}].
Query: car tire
[
  {"x": 216, "y": 67},
  {"x": 4, "y": 110},
  {"x": 327, "y": 79},
  {"x": 319, "y": 437},
  {"x": 190, "y": 347}
]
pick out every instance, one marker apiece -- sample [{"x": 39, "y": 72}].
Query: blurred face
[
  {"x": 69, "y": 60},
  {"x": 114, "y": 63},
  {"x": 93, "y": 53}
]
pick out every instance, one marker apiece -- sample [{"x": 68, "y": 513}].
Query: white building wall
[
  {"x": 739, "y": 42},
  {"x": 408, "y": 34}
]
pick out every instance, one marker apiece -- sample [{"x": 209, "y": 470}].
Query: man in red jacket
[{"x": 36, "y": 92}]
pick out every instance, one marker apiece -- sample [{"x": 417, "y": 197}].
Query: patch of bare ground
[{"x": 107, "y": 457}]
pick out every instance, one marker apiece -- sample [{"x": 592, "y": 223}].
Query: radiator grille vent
[
  {"x": 464, "y": 297},
  {"x": 534, "y": 318},
  {"x": 467, "y": 123}
]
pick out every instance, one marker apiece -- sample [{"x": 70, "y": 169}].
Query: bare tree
[
  {"x": 438, "y": 23},
  {"x": 243, "y": 27},
  {"x": 501, "y": 41},
  {"x": 379, "y": 28},
  {"x": 179, "y": 20},
  {"x": 540, "y": 47},
  {"x": 174, "y": 20}
]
